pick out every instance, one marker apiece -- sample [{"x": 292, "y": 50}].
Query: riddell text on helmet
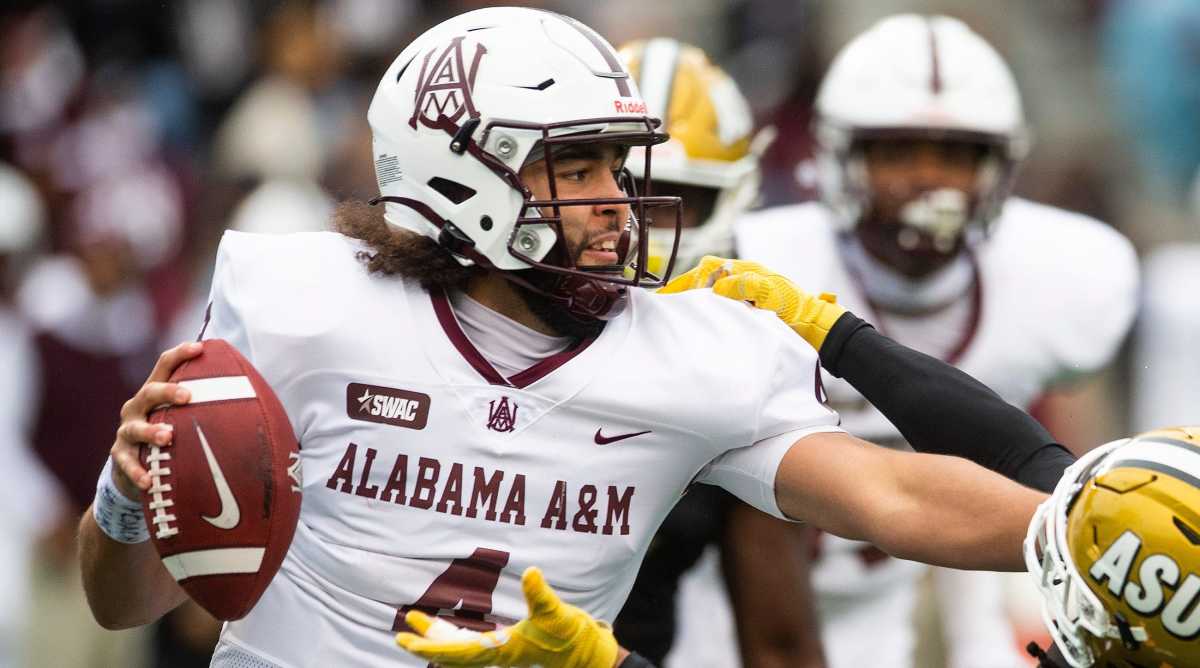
[
  {"x": 629, "y": 106},
  {"x": 474, "y": 492}
]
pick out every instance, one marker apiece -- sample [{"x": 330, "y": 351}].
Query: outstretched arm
[{"x": 932, "y": 508}]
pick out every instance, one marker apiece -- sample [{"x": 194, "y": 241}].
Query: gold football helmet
[
  {"x": 1115, "y": 551},
  {"x": 711, "y": 160}
]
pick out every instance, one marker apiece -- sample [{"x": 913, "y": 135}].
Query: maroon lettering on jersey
[
  {"x": 364, "y": 489},
  {"x": 428, "y": 471},
  {"x": 394, "y": 489},
  {"x": 485, "y": 491},
  {"x": 387, "y": 405},
  {"x": 556, "y": 509},
  {"x": 502, "y": 417},
  {"x": 451, "y": 500},
  {"x": 442, "y": 486},
  {"x": 344, "y": 472},
  {"x": 618, "y": 510},
  {"x": 514, "y": 506},
  {"x": 584, "y": 521},
  {"x": 444, "y": 89}
]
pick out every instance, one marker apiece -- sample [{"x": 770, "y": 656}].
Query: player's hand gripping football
[
  {"x": 128, "y": 474},
  {"x": 555, "y": 635},
  {"x": 809, "y": 316}
]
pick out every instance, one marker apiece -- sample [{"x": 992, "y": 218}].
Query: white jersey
[
  {"x": 1167, "y": 355},
  {"x": 1055, "y": 294},
  {"x": 432, "y": 482}
]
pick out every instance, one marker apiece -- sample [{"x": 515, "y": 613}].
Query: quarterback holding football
[{"x": 537, "y": 408}]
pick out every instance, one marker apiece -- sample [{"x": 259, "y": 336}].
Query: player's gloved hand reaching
[
  {"x": 555, "y": 635},
  {"x": 809, "y": 316}
]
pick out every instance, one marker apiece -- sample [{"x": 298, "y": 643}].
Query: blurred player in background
[
  {"x": 29, "y": 495},
  {"x": 920, "y": 130},
  {"x": 712, "y": 163}
]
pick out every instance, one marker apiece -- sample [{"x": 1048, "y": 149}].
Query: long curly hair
[{"x": 398, "y": 252}]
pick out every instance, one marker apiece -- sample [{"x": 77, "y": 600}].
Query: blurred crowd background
[{"x": 132, "y": 133}]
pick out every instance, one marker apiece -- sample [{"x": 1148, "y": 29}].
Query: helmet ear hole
[{"x": 451, "y": 190}]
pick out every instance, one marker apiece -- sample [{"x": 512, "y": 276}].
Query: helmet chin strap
[{"x": 583, "y": 299}]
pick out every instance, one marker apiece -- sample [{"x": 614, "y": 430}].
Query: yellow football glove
[
  {"x": 555, "y": 635},
  {"x": 810, "y": 317}
]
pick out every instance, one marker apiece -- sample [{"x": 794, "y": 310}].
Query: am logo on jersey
[{"x": 1146, "y": 594}]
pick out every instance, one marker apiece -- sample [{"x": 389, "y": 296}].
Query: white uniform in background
[
  {"x": 431, "y": 479},
  {"x": 29, "y": 495},
  {"x": 1166, "y": 375},
  {"x": 1056, "y": 293}
]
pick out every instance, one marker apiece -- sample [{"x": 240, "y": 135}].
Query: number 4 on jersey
[{"x": 462, "y": 594}]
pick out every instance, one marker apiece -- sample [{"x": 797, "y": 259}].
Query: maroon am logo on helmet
[{"x": 444, "y": 88}]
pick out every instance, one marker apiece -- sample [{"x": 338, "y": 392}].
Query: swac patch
[
  {"x": 387, "y": 405},
  {"x": 445, "y": 88}
]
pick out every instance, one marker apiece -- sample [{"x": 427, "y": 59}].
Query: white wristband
[{"x": 118, "y": 516}]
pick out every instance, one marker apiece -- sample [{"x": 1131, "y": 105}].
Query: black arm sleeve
[{"x": 940, "y": 409}]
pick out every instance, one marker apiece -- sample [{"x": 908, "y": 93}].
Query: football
[{"x": 225, "y": 495}]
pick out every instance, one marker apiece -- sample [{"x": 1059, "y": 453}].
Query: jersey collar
[{"x": 454, "y": 333}]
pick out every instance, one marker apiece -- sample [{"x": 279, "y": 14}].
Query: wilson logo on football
[
  {"x": 444, "y": 88},
  {"x": 387, "y": 405}
]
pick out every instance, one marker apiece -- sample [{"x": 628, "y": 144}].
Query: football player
[
  {"x": 479, "y": 387},
  {"x": 711, "y": 162},
  {"x": 28, "y": 492},
  {"x": 920, "y": 130}
]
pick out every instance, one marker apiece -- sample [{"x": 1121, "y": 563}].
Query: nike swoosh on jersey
[
  {"x": 605, "y": 440},
  {"x": 230, "y": 515}
]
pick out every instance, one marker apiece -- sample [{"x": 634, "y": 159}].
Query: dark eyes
[{"x": 584, "y": 172}]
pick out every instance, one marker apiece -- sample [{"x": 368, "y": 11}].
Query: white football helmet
[
  {"x": 713, "y": 147},
  {"x": 471, "y": 101},
  {"x": 1115, "y": 551},
  {"x": 927, "y": 77}
]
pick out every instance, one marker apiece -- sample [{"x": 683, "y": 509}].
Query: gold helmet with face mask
[
  {"x": 711, "y": 160},
  {"x": 1115, "y": 551}
]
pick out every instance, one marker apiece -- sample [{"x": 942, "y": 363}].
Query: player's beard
[{"x": 552, "y": 314}]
